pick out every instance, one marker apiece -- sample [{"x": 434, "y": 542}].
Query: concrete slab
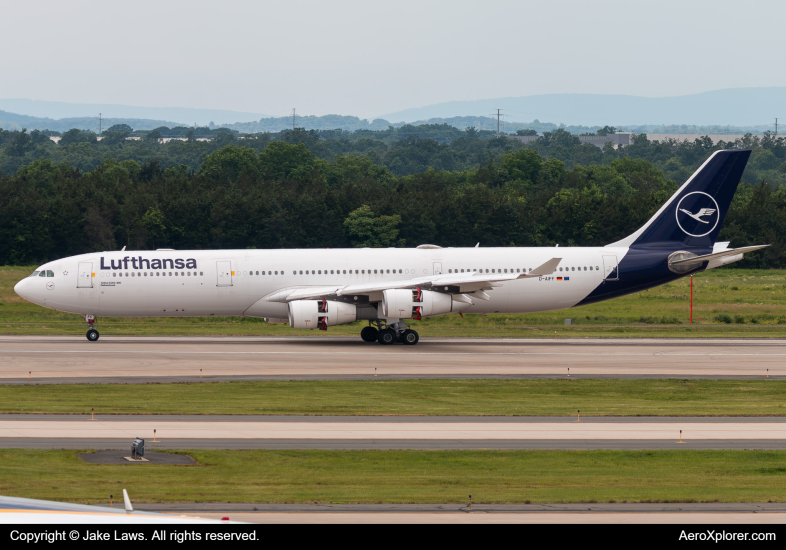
[{"x": 152, "y": 457}]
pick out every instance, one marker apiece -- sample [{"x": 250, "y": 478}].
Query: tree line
[
  {"x": 406, "y": 150},
  {"x": 286, "y": 194}
]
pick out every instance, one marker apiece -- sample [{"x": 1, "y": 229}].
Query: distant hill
[
  {"x": 13, "y": 121},
  {"x": 734, "y": 106},
  {"x": 183, "y": 116},
  {"x": 311, "y": 122}
]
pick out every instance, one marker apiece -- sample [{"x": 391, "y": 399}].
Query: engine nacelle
[
  {"x": 321, "y": 314},
  {"x": 436, "y": 303},
  {"x": 416, "y": 304},
  {"x": 400, "y": 303}
]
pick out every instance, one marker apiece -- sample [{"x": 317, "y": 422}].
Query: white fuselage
[{"x": 246, "y": 282}]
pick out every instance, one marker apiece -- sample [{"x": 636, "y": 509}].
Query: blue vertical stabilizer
[{"x": 693, "y": 216}]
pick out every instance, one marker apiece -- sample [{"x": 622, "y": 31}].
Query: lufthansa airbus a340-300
[{"x": 317, "y": 289}]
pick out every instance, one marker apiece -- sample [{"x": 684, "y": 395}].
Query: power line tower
[
  {"x": 293, "y": 119},
  {"x": 499, "y": 114}
]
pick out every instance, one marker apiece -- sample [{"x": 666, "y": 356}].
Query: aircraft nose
[{"x": 21, "y": 288}]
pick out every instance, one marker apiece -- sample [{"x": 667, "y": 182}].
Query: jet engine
[
  {"x": 320, "y": 314},
  {"x": 416, "y": 304}
]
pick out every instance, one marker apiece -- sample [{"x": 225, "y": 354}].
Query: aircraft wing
[
  {"x": 458, "y": 283},
  {"x": 15, "y": 510}
]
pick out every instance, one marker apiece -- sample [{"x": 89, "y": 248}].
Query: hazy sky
[{"x": 367, "y": 58}]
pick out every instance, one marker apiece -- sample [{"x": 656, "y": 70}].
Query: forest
[{"x": 397, "y": 187}]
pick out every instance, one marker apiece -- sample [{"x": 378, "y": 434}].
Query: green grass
[
  {"x": 406, "y": 476},
  {"x": 411, "y": 397},
  {"x": 732, "y": 303}
]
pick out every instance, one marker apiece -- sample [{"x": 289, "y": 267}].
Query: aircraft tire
[
  {"x": 369, "y": 334},
  {"x": 92, "y": 335},
  {"x": 387, "y": 337},
  {"x": 410, "y": 337}
]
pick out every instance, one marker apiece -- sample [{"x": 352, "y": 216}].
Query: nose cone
[{"x": 22, "y": 288}]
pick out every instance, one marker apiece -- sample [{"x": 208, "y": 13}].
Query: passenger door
[
  {"x": 224, "y": 273},
  {"x": 610, "y": 268},
  {"x": 85, "y": 279}
]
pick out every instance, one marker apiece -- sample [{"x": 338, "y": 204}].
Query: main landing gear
[
  {"x": 92, "y": 333},
  {"x": 369, "y": 334},
  {"x": 390, "y": 334}
]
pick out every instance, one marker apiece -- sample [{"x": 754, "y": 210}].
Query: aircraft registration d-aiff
[{"x": 317, "y": 289}]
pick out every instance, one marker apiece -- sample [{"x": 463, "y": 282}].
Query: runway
[
  {"x": 683, "y": 513},
  {"x": 59, "y": 431},
  {"x": 38, "y": 359}
]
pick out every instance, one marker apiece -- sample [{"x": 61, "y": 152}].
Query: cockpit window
[
  {"x": 42, "y": 273},
  {"x": 35, "y": 273},
  {"x": 50, "y": 273}
]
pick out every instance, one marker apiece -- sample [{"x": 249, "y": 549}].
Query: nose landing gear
[{"x": 92, "y": 333}]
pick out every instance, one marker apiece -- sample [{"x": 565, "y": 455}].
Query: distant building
[
  {"x": 728, "y": 138},
  {"x": 617, "y": 139}
]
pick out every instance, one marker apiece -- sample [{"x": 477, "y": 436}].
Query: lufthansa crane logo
[{"x": 697, "y": 214}]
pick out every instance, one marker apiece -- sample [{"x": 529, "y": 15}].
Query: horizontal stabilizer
[{"x": 716, "y": 255}]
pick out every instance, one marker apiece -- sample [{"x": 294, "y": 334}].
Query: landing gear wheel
[
  {"x": 369, "y": 334},
  {"x": 410, "y": 337},
  {"x": 387, "y": 337},
  {"x": 92, "y": 335}
]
